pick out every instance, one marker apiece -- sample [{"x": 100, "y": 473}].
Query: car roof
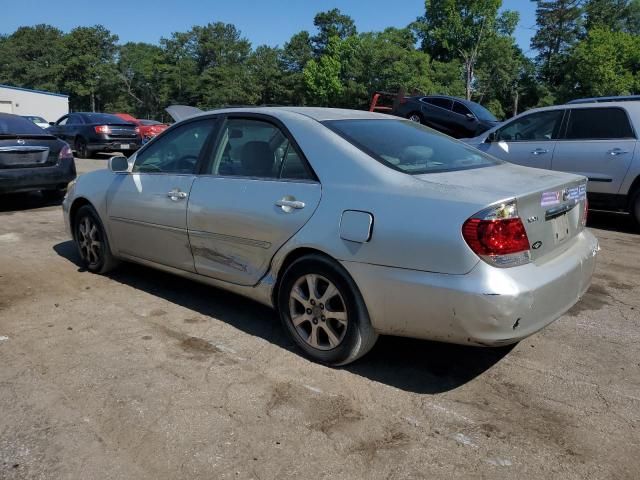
[
  {"x": 631, "y": 106},
  {"x": 620, "y": 98},
  {"x": 320, "y": 114}
]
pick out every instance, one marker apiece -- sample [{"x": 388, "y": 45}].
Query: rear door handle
[
  {"x": 289, "y": 205},
  {"x": 176, "y": 195},
  {"x": 540, "y": 151},
  {"x": 617, "y": 151}
]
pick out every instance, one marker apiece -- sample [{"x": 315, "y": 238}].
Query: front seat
[{"x": 257, "y": 159}]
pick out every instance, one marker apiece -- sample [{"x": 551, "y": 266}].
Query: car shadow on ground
[
  {"x": 17, "y": 202},
  {"x": 413, "y": 365},
  {"x": 615, "y": 222}
]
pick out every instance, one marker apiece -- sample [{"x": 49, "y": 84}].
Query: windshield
[
  {"x": 103, "y": 118},
  {"x": 410, "y": 147},
  {"x": 15, "y": 125},
  {"x": 35, "y": 119},
  {"x": 482, "y": 113}
]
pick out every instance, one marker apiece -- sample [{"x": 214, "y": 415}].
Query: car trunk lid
[
  {"x": 26, "y": 152},
  {"x": 550, "y": 204}
]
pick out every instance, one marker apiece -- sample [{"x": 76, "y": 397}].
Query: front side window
[
  {"x": 598, "y": 124},
  {"x": 63, "y": 121},
  {"x": 177, "y": 151},
  {"x": 256, "y": 148},
  {"x": 538, "y": 126},
  {"x": 410, "y": 147}
]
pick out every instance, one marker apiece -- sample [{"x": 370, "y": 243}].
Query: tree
[
  {"x": 615, "y": 15},
  {"x": 295, "y": 55},
  {"x": 265, "y": 67},
  {"x": 31, "y": 57},
  {"x": 322, "y": 75},
  {"x": 89, "y": 71},
  {"x": 332, "y": 23},
  {"x": 605, "y": 63},
  {"x": 461, "y": 29},
  {"x": 559, "y": 24}
]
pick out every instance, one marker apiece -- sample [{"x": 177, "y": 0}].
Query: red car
[{"x": 148, "y": 128}]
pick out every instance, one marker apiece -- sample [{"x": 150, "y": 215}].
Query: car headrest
[{"x": 257, "y": 159}]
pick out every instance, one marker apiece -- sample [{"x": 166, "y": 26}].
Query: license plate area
[
  {"x": 560, "y": 228},
  {"x": 125, "y": 146}
]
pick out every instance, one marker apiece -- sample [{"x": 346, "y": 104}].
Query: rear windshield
[
  {"x": 103, "y": 118},
  {"x": 13, "y": 124},
  {"x": 149, "y": 122},
  {"x": 35, "y": 119},
  {"x": 410, "y": 147}
]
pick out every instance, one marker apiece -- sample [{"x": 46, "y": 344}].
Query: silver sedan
[{"x": 350, "y": 224}]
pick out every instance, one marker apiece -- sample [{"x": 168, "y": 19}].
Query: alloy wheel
[
  {"x": 89, "y": 241},
  {"x": 318, "y": 312},
  {"x": 415, "y": 118}
]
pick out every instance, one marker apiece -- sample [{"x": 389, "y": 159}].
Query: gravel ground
[{"x": 142, "y": 375}]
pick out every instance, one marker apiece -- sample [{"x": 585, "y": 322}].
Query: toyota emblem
[{"x": 21, "y": 142}]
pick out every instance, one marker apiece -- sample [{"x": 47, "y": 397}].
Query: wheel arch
[
  {"x": 294, "y": 255},
  {"x": 635, "y": 187}
]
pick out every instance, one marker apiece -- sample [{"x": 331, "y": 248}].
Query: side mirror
[
  {"x": 118, "y": 164},
  {"x": 470, "y": 116},
  {"x": 52, "y": 123},
  {"x": 491, "y": 138}
]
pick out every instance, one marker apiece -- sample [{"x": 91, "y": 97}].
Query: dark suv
[
  {"x": 89, "y": 133},
  {"x": 454, "y": 116}
]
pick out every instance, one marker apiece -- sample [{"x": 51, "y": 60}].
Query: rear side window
[
  {"x": 410, "y": 147},
  {"x": 13, "y": 124},
  {"x": 440, "y": 102},
  {"x": 257, "y": 149},
  {"x": 461, "y": 109},
  {"x": 598, "y": 124}
]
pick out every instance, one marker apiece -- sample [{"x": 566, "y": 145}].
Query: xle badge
[{"x": 536, "y": 245}]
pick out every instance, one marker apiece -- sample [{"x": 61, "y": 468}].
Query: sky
[{"x": 270, "y": 22}]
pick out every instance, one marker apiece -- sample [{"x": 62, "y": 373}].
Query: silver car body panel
[
  {"x": 414, "y": 256},
  {"x": 612, "y": 166}
]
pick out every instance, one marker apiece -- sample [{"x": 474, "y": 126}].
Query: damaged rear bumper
[{"x": 488, "y": 306}]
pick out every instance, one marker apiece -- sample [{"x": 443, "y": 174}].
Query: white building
[{"x": 22, "y": 101}]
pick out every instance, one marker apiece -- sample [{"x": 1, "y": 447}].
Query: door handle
[
  {"x": 617, "y": 151},
  {"x": 176, "y": 195},
  {"x": 540, "y": 151},
  {"x": 289, "y": 205}
]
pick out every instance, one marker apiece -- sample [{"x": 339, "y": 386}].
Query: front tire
[
  {"x": 323, "y": 312},
  {"x": 92, "y": 242}
]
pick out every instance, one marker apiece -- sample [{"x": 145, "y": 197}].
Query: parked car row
[{"x": 596, "y": 139}]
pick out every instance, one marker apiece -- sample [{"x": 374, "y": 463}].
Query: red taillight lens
[
  {"x": 403, "y": 100},
  {"x": 103, "y": 129},
  {"x": 65, "y": 152},
  {"x": 495, "y": 237}
]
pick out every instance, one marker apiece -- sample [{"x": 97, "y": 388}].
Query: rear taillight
[
  {"x": 65, "y": 153},
  {"x": 497, "y": 235},
  {"x": 103, "y": 129},
  {"x": 403, "y": 100}
]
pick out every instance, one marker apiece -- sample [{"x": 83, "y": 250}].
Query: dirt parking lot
[{"x": 142, "y": 375}]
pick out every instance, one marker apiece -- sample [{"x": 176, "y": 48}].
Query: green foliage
[{"x": 458, "y": 47}]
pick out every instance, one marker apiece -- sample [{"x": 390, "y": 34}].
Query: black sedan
[
  {"x": 454, "y": 116},
  {"x": 89, "y": 133},
  {"x": 32, "y": 159}
]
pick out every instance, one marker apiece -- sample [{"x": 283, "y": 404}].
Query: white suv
[{"x": 597, "y": 140}]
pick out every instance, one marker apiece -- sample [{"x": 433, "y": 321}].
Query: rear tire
[
  {"x": 329, "y": 324},
  {"x": 415, "y": 117},
  {"x": 82, "y": 150},
  {"x": 634, "y": 207},
  {"x": 92, "y": 242}
]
